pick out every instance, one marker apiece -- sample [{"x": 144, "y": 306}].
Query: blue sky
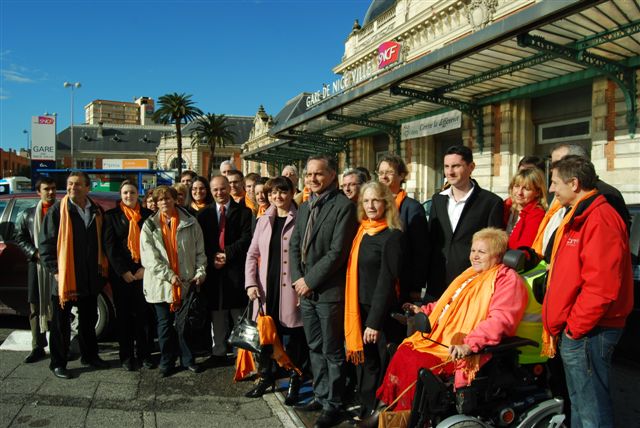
[{"x": 231, "y": 56}]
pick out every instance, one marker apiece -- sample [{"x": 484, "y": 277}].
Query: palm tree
[
  {"x": 213, "y": 131},
  {"x": 176, "y": 108}
]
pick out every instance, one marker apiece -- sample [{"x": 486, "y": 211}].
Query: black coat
[
  {"x": 331, "y": 239},
  {"x": 450, "y": 250},
  {"x": 89, "y": 280},
  {"x": 237, "y": 238},
  {"x": 413, "y": 276},
  {"x": 116, "y": 233},
  {"x": 24, "y": 240}
]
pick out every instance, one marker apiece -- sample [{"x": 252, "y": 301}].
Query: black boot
[
  {"x": 263, "y": 385},
  {"x": 293, "y": 392}
]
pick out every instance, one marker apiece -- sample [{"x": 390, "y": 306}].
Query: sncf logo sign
[
  {"x": 388, "y": 53},
  {"x": 44, "y": 120}
]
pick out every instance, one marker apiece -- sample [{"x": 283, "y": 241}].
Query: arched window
[{"x": 174, "y": 164}]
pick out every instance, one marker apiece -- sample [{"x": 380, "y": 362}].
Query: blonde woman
[{"x": 528, "y": 204}]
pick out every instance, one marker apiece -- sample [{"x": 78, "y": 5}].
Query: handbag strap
[
  {"x": 394, "y": 402},
  {"x": 248, "y": 312}
]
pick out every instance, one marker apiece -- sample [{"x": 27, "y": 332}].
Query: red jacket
[
  {"x": 525, "y": 230},
  {"x": 592, "y": 282}
]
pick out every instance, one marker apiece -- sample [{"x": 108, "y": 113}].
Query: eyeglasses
[{"x": 389, "y": 173}]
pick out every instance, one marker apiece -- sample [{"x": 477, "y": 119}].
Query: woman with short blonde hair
[{"x": 525, "y": 208}]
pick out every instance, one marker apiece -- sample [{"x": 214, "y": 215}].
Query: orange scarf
[
  {"x": 305, "y": 193},
  {"x": 250, "y": 204},
  {"x": 244, "y": 365},
  {"x": 133, "y": 239},
  {"x": 537, "y": 243},
  {"x": 549, "y": 342},
  {"x": 261, "y": 210},
  {"x": 67, "y": 287},
  {"x": 269, "y": 336},
  {"x": 352, "y": 322},
  {"x": 463, "y": 315},
  {"x": 170, "y": 239},
  {"x": 45, "y": 207},
  {"x": 198, "y": 205},
  {"x": 400, "y": 197}
]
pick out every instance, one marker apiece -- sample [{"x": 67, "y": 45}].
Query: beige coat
[{"x": 157, "y": 272}]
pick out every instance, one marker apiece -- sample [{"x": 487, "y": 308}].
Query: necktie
[{"x": 221, "y": 224}]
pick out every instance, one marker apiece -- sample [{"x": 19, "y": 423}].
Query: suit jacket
[
  {"x": 413, "y": 275},
  {"x": 237, "y": 237},
  {"x": 116, "y": 233},
  {"x": 450, "y": 250},
  {"x": 331, "y": 238},
  {"x": 89, "y": 280}
]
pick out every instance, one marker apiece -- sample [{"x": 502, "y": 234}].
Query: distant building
[
  {"x": 196, "y": 158},
  {"x": 14, "y": 164},
  {"x": 138, "y": 112}
]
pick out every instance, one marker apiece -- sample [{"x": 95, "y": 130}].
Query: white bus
[{"x": 14, "y": 185}]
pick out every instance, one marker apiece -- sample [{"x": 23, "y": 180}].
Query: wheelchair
[{"x": 504, "y": 392}]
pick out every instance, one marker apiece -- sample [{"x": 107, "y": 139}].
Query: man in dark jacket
[
  {"x": 324, "y": 231},
  {"x": 456, "y": 214},
  {"x": 40, "y": 281},
  {"x": 81, "y": 221},
  {"x": 226, "y": 227}
]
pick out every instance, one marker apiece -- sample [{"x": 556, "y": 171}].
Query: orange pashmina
[
  {"x": 537, "y": 243},
  {"x": 198, "y": 205},
  {"x": 269, "y": 336},
  {"x": 305, "y": 193},
  {"x": 250, "y": 204},
  {"x": 67, "y": 287},
  {"x": 244, "y": 365},
  {"x": 352, "y": 322},
  {"x": 400, "y": 197},
  {"x": 170, "y": 239},
  {"x": 133, "y": 238},
  {"x": 549, "y": 342},
  {"x": 464, "y": 313},
  {"x": 261, "y": 210}
]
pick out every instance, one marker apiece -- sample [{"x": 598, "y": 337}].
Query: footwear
[
  {"x": 328, "y": 418},
  {"x": 129, "y": 365},
  {"x": 293, "y": 392},
  {"x": 148, "y": 363},
  {"x": 62, "y": 373},
  {"x": 96, "y": 363},
  {"x": 370, "y": 421},
  {"x": 36, "y": 355},
  {"x": 166, "y": 372},
  {"x": 311, "y": 406},
  {"x": 261, "y": 388},
  {"x": 195, "y": 368}
]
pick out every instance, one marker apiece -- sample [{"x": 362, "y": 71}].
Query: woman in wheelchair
[{"x": 481, "y": 306}]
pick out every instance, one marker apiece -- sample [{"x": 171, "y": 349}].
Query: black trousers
[
  {"x": 61, "y": 330},
  {"x": 132, "y": 317}
]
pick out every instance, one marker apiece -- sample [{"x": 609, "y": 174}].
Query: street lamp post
[
  {"x": 73, "y": 86},
  {"x": 24, "y": 131}
]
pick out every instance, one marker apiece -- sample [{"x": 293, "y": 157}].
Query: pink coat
[{"x": 255, "y": 271}]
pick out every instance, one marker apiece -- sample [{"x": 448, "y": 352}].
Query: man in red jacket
[{"x": 590, "y": 290}]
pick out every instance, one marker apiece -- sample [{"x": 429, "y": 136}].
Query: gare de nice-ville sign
[{"x": 388, "y": 54}]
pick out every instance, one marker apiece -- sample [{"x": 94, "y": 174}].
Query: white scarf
[{"x": 45, "y": 279}]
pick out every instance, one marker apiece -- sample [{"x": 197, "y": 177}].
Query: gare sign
[
  {"x": 43, "y": 138},
  {"x": 388, "y": 54}
]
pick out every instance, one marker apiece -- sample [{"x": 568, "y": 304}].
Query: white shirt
[
  {"x": 454, "y": 208},
  {"x": 85, "y": 212},
  {"x": 226, "y": 208}
]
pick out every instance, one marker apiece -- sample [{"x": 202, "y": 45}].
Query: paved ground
[{"x": 30, "y": 396}]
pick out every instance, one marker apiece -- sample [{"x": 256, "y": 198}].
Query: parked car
[{"x": 13, "y": 262}]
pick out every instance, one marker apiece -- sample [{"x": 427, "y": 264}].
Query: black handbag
[{"x": 245, "y": 334}]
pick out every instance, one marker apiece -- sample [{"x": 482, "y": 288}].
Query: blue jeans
[
  {"x": 587, "y": 362},
  {"x": 171, "y": 343}
]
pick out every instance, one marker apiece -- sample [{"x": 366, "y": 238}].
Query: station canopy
[{"x": 549, "y": 45}]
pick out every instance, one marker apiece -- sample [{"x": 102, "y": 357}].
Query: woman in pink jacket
[{"x": 268, "y": 281}]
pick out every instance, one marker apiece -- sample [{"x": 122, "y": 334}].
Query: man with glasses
[{"x": 352, "y": 179}]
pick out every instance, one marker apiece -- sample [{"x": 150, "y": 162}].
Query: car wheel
[{"x": 103, "y": 324}]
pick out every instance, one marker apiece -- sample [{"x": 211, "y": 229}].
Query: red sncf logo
[{"x": 388, "y": 53}]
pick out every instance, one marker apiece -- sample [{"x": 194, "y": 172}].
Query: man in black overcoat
[
  {"x": 40, "y": 280},
  {"x": 323, "y": 234},
  {"x": 226, "y": 254}
]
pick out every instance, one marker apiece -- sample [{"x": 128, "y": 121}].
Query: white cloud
[{"x": 15, "y": 76}]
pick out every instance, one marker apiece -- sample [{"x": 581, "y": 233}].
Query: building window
[
  {"x": 566, "y": 130},
  {"x": 84, "y": 164}
]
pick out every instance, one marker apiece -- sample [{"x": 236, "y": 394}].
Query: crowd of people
[{"x": 330, "y": 263}]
